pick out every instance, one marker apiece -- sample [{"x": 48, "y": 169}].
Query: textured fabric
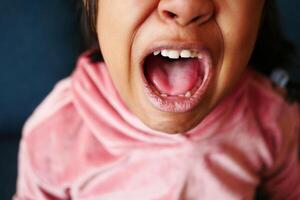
[{"x": 83, "y": 143}]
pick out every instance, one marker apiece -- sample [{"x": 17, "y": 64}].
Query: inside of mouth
[{"x": 174, "y": 77}]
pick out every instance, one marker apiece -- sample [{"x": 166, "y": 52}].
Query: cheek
[
  {"x": 239, "y": 24},
  {"x": 113, "y": 38},
  {"x": 117, "y": 23}
]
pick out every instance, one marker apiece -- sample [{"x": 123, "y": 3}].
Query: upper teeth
[{"x": 175, "y": 54}]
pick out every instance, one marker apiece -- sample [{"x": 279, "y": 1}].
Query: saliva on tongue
[{"x": 172, "y": 77}]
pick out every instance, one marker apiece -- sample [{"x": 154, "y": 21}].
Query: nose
[{"x": 186, "y": 12}]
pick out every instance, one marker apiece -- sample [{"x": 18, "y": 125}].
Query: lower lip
[{"x": 179, "y": 104}]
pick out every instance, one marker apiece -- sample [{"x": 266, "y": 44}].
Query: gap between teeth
[{"x": 176, "y": 54}]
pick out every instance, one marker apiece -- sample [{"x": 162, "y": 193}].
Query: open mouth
[{"x": 176, "y": 79}]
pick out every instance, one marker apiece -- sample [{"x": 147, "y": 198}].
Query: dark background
[{"x": 39, "y": 43}]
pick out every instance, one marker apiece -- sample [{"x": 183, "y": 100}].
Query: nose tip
[{"x": 185, "y": 12}]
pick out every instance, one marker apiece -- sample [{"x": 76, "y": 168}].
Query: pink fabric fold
[{"x": 83, "y": 143}]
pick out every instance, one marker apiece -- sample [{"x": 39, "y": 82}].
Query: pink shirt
[{"x": 82, "y": 143}]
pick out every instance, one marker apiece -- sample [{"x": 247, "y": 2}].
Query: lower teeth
[{"x": 188, "y": 94}]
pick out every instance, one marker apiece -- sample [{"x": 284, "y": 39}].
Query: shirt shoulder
[
  {"x": 51, "y": 133},
  {"x": 267, "y": 102},
  {"x": 58, "y": 99},
  {"x": 278, "y": 119}
]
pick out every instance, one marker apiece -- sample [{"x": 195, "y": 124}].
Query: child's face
[{"x": 174, "y": 95}]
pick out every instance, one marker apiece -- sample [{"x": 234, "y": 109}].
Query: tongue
[{"x": 172, "y": 77}]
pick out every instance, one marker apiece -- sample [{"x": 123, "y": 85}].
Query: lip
[{"x": 178, "y": 104}]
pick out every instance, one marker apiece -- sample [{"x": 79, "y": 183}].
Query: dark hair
[
  {"x": 88, "y": 10},
  {"x": 272, "y": 49}
]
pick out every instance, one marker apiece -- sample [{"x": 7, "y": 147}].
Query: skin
[{"x": 228, "y": 28}]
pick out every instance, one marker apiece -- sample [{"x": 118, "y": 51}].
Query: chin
[
  {"x": 173, "y": 124},
  {"x": 170, "y": 128}
]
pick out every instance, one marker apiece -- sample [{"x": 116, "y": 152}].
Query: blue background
[{"x": 40, "y": 42}]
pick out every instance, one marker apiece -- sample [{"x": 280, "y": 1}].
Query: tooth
[
  {"x": 185, "y": 54},
  {"x": 156, "y": 53},
  {"x": 200, "y": 56},
  {"x": 164, "y": 53},
  {"x": 164, "y": 95},
  {"x": 194, "y": 54},
  {"x": 188, "y": 94},
  {"x": 173, "y": 54}
]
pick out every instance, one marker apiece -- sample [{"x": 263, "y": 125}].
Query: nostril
[{"x": 169, "y": 15}]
